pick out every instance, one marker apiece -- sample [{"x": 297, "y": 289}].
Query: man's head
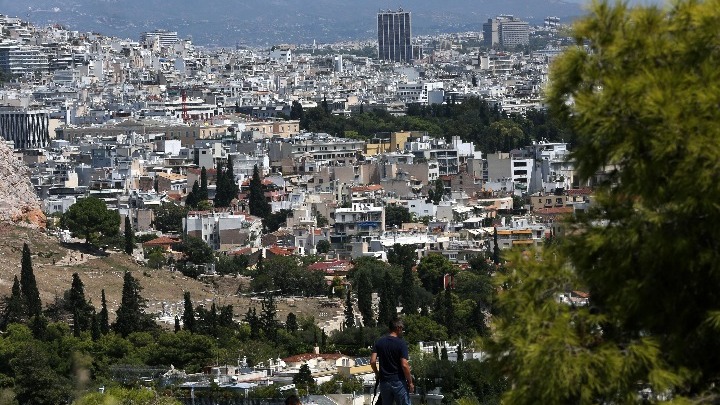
[{"x": 397, "y": 326}]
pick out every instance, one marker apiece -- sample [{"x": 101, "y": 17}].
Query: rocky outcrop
[{"x": 18, "y": 201}]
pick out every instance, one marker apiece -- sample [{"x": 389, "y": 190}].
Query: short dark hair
[
  {"x": 292, "y": 400},
  {"x": 396, "y": 324}
]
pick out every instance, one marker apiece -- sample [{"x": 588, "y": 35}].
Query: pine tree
[
  {"x": 104, "y": 319},
  {"x": 259, "y": 206},
  {"x": 203, "y": 191},
  {"x": 188, "y": 315},
  {"x": 129, "y": 237},
  {"x": 349, "y": 314},
  {"x": 639, "y": 90},
  {"x": 15, "y": 307},
  {"x": 130, "y": 314},
  {"x": 28, "y": 285},
  {"x": 364, "y": 297}
]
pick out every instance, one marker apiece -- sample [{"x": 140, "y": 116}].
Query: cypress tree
[
  {"x": 188, "y": 315},
  {"x": 129, "y": 237},
  {"x": 104, "y": 320},
  {"x": 15, "y": 308},
  {"x": 177, "y": 324},
  {"x": 28, "y": 285},
  {"x": 268, "y": 317},
  {"x": 193, "y": 197},
  {"x": 76, "y": 322},
  {"x": 76, "y": 302},
  {"x": 203, "y": 191},
  {"x": 387, "y": 309},
  {"x": 364, "y": 296},
  {"x": 408, "y": 294},
  {"x": 349, "y": 314},
  {"x": 291, "y": 323},
  {"x": 95, "y": 328},
  {"x": 130, "y": 314},
  {"x": 259, "y": 206},
  {"x": 496, "y": 247}
]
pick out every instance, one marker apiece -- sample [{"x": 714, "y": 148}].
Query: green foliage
[
  {"x": 15, "y": 307},
  {"x": 420, "y": 328},
  {"x": 89, "y": 218},
  {"x": 203, "y": 190},
  {"x": 155, "y": 257},
  {"x": 125, "y": 396},
  {"x": 304, "y": 378},
  {"x": 273, "y": 221},
  {"x": 321, "y": 220},
  {"x": 168, "y": 218},
  {"x": 387, "y": 308},
  {"x": 226, "y": 187},
  {"x": 396, "y": 215},
  {"x": 285, "y": 274},
  {"x": 130, "y": 314},
  {"x": 256, "y": 200},
  {"x": 237, "y": 264},
  {"x": 363, "y": 287},
  {"x": 268, "y": 317},
  {"x": 28, "y": 284},
  {"x": 196, "y": 250},
  {"x": 644, "y": 106},
  {"x": 431, "y": 270},
  {"x": 129, "y": 236},
  {"x": 193, "y": 197},
  {"x": 188, "y": 316},
  {"x": 75, "y": 302},
  {"x": 322, "y": 246},
  {"x": 349, "y": 313}
]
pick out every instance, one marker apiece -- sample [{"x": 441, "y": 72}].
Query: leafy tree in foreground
[
  {"x": 89, "y": 218},
  {"x": 645, "y": 97}
]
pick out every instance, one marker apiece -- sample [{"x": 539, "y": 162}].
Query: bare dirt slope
[{"x": 54, "y": 263}]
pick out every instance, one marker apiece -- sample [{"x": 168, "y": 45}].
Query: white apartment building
[
  {"x": 417, "y": 92},
  {"x": 225, "y": 229}
]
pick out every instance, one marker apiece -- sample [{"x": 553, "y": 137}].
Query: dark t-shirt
[{"x": 390, "y": 350}]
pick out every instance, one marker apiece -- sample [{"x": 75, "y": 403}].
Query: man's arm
[
  {"x": 408, "y": 377},
  {"x": 373, "y": 364}
]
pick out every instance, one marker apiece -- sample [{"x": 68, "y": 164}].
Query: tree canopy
[
  {"x": 89, "y": 218},
  {"x": 641, "y": 92}
]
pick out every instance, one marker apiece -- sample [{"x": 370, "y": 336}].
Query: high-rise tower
[{"x": 394, "y": 34}]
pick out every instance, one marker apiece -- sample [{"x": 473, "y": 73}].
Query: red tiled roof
[
  {"x": 369, "y": 187},
  {"x": 331, "y": 265},
  {"x": 245, "y": 251},
  {"x": 161, "y": 241},
  {"x": 309, "y": 356},
  {"x": 554, "y": 211},
  {"x": 278, "y": 251},
  {"x": 579, "y": 191}
]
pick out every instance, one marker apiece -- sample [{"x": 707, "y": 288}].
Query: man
[{"x": 396, "y": 383}]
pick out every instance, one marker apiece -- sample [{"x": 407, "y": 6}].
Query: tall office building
[
  {"x": 394, "y": 35},
  {"x": 166, "y": 38},
  {"x": 507, "y": 31}
]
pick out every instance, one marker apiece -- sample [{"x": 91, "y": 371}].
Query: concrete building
[
  {"x": 165, "y": 38},
  {"x": 22, "y": 60},
  {"x": 394, "y": 36},
  {"x": 223, "y": 230},
  {"x": 507, "y": 31}
]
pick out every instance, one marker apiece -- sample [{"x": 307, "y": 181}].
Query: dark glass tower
[{"x": 394, "y": 35}]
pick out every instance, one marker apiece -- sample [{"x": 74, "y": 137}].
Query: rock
[{"x": 18, "y": 201}]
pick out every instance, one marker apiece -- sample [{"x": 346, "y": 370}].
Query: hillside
[{"x": 54, "y": 263}]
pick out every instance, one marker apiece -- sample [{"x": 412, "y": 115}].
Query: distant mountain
[{"x": 259, "y": 22}]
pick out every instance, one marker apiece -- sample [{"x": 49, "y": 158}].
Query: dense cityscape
[{"x": 202, "y": 225}]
